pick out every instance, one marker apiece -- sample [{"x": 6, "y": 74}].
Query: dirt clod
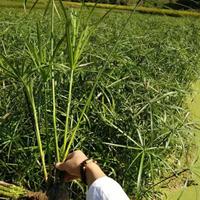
[{"x": 36, "y": 196}]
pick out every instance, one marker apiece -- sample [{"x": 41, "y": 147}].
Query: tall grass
[
  {"x": 131, "y": 109},
  {"x": 41, "y": 66}
]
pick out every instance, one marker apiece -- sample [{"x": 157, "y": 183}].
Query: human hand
[{"x": 71, "y": 166}]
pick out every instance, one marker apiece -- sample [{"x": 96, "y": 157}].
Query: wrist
[
  {"x": 93, "y": 172},
  {"x": 83, "y": 166},
  {"x": 90, "y": 171}
]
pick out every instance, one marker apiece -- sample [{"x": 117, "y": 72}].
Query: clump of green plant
[
  {"x": 41, "y": 69},
  {"x": 133, "y": 110}
]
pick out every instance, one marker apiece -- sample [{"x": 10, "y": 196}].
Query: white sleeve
[{"x": 106, "y": 188}]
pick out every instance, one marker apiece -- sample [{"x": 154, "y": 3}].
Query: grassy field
[
  {"x": 142, "y": 8},
  {"x": 135, "y": 123}
]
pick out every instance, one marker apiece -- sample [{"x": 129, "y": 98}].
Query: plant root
[{"x": 57, "y": 191}]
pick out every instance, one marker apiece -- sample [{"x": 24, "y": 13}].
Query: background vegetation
[
  {"x": 172, "y": 4},
  {"x": 136, "y": 126},
  {"x": 165, "y": 7},
  {"x": 167, "y": 4}
]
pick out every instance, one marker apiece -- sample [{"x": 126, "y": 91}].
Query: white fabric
[{"x": 106, "y": 188}]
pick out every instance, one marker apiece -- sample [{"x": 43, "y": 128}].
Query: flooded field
[{"x": 192, "y": 192}]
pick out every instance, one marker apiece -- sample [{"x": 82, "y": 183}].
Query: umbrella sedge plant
[
  {"x": 134, "y": 103},
  {"x": 41, "y": 65}
]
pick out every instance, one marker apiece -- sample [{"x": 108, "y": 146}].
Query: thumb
[{"x": 61, "y": 166}]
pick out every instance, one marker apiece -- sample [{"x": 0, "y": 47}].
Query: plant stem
[
  {"x": 39, "y": 141},
  {"x": 53, "y": 85},
  {"x": 81, "y": 116},
  {"x": 140, "y": 173},
  {"x": 68, "y": 111},
  {"x": 46, "y": 124}
]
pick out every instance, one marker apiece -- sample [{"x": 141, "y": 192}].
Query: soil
[
  {"x": 57, "y": 191},
  {"x": 36, "y": 196}
]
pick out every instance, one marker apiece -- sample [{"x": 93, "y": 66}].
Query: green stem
[
  {"x": 54, "y": 121},
  {"x": 39, "y": 141},
  {"x": 46, "y": 124},
  {"x": 53, "y": 85},
  {"x": 81, "y": 116},
  {"x": 70, "y": 50},
  {"x": 68, "y": 111},
  {"x": 140, "y": 173}
]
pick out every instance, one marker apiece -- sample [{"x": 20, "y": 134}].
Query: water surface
[{"x": 192, "y": 192}]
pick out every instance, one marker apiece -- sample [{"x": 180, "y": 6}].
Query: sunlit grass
[{"x": 129, "y": 116}]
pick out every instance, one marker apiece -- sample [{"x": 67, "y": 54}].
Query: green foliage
[
  {"x": 142, "y": 9},
  {"x": 118, "y": 2},
  {"x": 133, "y": 124}
]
